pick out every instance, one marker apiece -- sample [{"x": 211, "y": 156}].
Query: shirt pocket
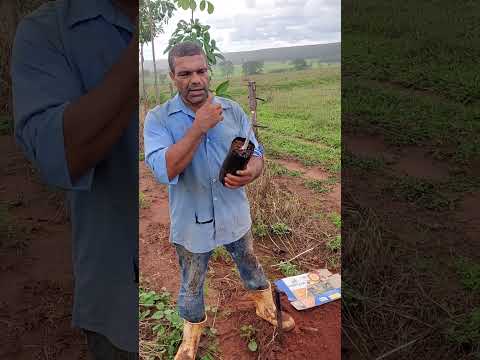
[{"x": 203, "y": 211}]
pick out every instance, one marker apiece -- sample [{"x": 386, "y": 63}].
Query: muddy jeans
[{"x": 194, "y": 267}]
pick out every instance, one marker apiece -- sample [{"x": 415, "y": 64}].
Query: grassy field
[
  {"x": 301, "y": 112},
  {"x": 411, "y": 261}
]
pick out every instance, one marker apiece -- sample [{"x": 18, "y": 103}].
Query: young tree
[
  {"x": 252, "y": 67},
  {"x": 227, "y": 68},
  {"x": 195, "y": 31},
  {"x": 299, "y": 64},
  {"x": 153, "y": 15}
]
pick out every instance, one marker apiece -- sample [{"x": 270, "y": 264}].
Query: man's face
[{"x": 191, "y": 79}]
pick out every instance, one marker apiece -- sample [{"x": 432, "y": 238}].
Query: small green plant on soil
[
  {"x": 260, "y": 229},
  {"x": 466, "y": 331},
  {"x": 4, "y": 125},
  {"x": 280, "y": 229},
  {"x": 469, "y": 272},
  {"x": 142, "y": 201},
  {"x": 158, "y": 312},
  {"x": 235, "y": 271},
  {"x": 205, "y": 286},
  {"x": 220, "y": 253},
  {"x": 319, "y": 186},
  {"x": 421, "y": 192},
  {"x": 288, "y": 269},
  {"x": 166, "y": 324},
  {"x": 335, "y": 244},
  {"x": 336, "y": 219},
  {"x": 362, "y": 162},
  {"x": 333, "y": 262},
  {"x": 248, "y": 332}
]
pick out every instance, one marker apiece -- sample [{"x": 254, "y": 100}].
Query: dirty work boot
[
  {"x": 267, "y": 310},
  {"x": 191, "y": 337}
]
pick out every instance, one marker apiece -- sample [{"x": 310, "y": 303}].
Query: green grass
[
  {"x": 469, "y": 272},
  {"x": 4, "y": 124},
  {"x": 424, "y": 193},
  {"x": 143, "y": 201},
  {"x": 220, "y": 253},
  {"x": 452, "y": 127},
  {"x": 411, "y": 54},
  {"x": 335, "y": 244},
  {"x": 280, "y": 170},
  {"x": 336, "y": 220},
  {"x": 301, "y": 112},
  {"x": 362, "y": 162},
  {"x": 466, "y": 331}
]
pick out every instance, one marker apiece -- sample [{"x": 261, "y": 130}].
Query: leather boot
[
  {"x": 267, "y": 310},
  {"x": 191, "y": 337}
]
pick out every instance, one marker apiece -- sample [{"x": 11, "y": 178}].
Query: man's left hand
[{"x": 244, "y": 177}]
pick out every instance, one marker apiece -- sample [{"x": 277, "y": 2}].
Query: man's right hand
[{"x": 208, "y": 115}]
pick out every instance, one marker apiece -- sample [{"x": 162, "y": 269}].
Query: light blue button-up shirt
[
  {"x": 62, "y": 51},
  {"x": 203, "y": 213}
]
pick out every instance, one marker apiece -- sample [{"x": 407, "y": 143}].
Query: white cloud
[
  {"x": 250, "y": 4},
  {"x": 258, "y": 24}
]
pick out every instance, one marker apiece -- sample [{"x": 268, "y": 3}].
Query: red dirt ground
[
  {"x": 317, "y": 335},
  {"x": 36, "y": 295}
]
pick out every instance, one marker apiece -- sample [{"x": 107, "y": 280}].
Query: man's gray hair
[{"x": 186, "y": 48}]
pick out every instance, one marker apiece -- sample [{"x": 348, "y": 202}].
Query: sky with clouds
[{"x": 242, "y": 25}]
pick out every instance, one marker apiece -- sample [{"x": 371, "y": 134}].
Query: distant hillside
[{"x": 330, "y": 53}]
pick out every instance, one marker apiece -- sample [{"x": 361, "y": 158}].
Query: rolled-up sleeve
[
  {"x": 245, "y": 130},
  {"x": 43, "y": 83},
  {"x": 157, "y": 140}
]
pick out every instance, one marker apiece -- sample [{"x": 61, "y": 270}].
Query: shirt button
[
  {"x": 215, "y": 199},
  {"x": 214, "y": 180}
]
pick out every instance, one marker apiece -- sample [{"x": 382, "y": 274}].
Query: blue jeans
[{"x": 193, "y": 267}]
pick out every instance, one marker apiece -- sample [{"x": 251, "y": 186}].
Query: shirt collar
[
  {"x": 83, "y": 10},
  {"x": 176, "y": 105}
]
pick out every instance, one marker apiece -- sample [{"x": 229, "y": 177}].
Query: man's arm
[
  {"x": 63, "y": 130},
  {"x": 108, "y": 108}
]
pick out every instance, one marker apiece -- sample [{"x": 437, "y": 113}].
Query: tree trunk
[
  {"x": 152, "y": 35},
  {"x": 144, "y": 93}
]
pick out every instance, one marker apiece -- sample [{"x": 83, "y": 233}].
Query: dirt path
[
  {"x": 36, "y": 295},
  {"x": 317, "y": 334}
]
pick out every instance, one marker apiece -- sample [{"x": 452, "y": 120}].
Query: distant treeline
[{"x": 327, "y": 53}]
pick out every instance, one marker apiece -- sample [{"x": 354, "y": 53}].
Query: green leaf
[
  {"x": 193, "y": 5},
  {"x": 210, "y": 7},
  {"x": 203, "y": 3},
  {"x": 222, "y": 88},
  {"x": 157, "y": 315},
  {"x": 252, "y": 345}
]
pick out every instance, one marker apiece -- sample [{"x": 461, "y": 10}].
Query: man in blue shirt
[
  {"x": 75, "y": 90},
  {"x": 186, "y": 140}
]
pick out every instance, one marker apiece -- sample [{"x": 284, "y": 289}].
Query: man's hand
[
  {"x": 208, "y": 115},
  {"x": 244, "y": 177}
]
